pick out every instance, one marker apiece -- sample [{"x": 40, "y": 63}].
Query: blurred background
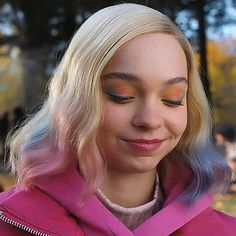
[{"x": 35, "y": 34}]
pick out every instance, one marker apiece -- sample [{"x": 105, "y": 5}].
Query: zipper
[{"x": 21, "y": 226}]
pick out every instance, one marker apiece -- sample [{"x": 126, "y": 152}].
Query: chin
[{"x": 145, "y": 165}]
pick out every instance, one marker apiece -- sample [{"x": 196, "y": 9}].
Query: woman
[{"x": 121, "y": 146}]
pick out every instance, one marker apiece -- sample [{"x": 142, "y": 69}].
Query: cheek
[
  {"x": 182, "y": 123},
  {"x": 178, "y": 122},
  {"x": 115, "y": 117}
]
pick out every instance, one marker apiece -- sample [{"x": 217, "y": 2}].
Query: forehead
[{"x": 150, "y": 56}]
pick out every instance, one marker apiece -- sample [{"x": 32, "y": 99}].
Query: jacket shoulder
[
  {"x": 209, "y": 222},
  {"x": 37, "y": 211}
]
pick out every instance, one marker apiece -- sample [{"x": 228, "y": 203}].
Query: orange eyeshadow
[
  {"x": 123, "y": 91},
  {"x": 173, "y": 93},
  {"x": 119, "y": 87}
]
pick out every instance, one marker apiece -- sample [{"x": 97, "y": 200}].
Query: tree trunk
[{"x": 203, "y": 49}]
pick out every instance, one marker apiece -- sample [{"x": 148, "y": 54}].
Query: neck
[{"x": 129, "y": 190}]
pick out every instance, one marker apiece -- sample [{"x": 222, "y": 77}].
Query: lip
[{"x": 143, "y": 145}]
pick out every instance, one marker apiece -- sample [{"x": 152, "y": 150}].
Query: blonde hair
[{"x": 65, "y": 128}]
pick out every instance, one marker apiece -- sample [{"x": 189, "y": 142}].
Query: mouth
[{"x": 143, "y": 145}]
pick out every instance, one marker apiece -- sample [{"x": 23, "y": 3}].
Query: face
[{"x": 145, "y": 110}]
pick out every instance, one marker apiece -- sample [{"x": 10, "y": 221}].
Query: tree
[
  {"x": 222, "y": 61},
  {"x": 36, "y": 33}
]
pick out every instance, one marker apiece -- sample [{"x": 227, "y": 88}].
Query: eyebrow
[
  {"x": 123, "y": 76},
  {"x": 135, "y": 78},
  {"x": 176, "y": 80}
]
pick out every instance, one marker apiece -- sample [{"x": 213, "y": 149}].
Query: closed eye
[
  {"x": 119, "y": 99},
  {"x": 173, "y": 103}
]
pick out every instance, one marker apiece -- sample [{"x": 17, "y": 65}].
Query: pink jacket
[{"x": 51, "y": 209}]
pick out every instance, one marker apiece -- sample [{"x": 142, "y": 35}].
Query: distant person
[{"x": 225, "y": 143}]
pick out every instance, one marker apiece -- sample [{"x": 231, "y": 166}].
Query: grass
[{"x": 226, "y": 203}]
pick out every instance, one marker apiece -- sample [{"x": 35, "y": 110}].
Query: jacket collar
[{"x": 95, "y": 219}]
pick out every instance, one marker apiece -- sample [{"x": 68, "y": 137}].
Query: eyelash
[
  {"x": 120, "y": 99},
  {"x": 172, "y": 103},
  {"x": 125, "y": 99}
]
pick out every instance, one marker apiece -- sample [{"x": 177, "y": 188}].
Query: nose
[{"x": 148, "y": 116}]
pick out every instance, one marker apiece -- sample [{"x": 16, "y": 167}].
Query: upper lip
[{"x": 149, "y": 141}]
